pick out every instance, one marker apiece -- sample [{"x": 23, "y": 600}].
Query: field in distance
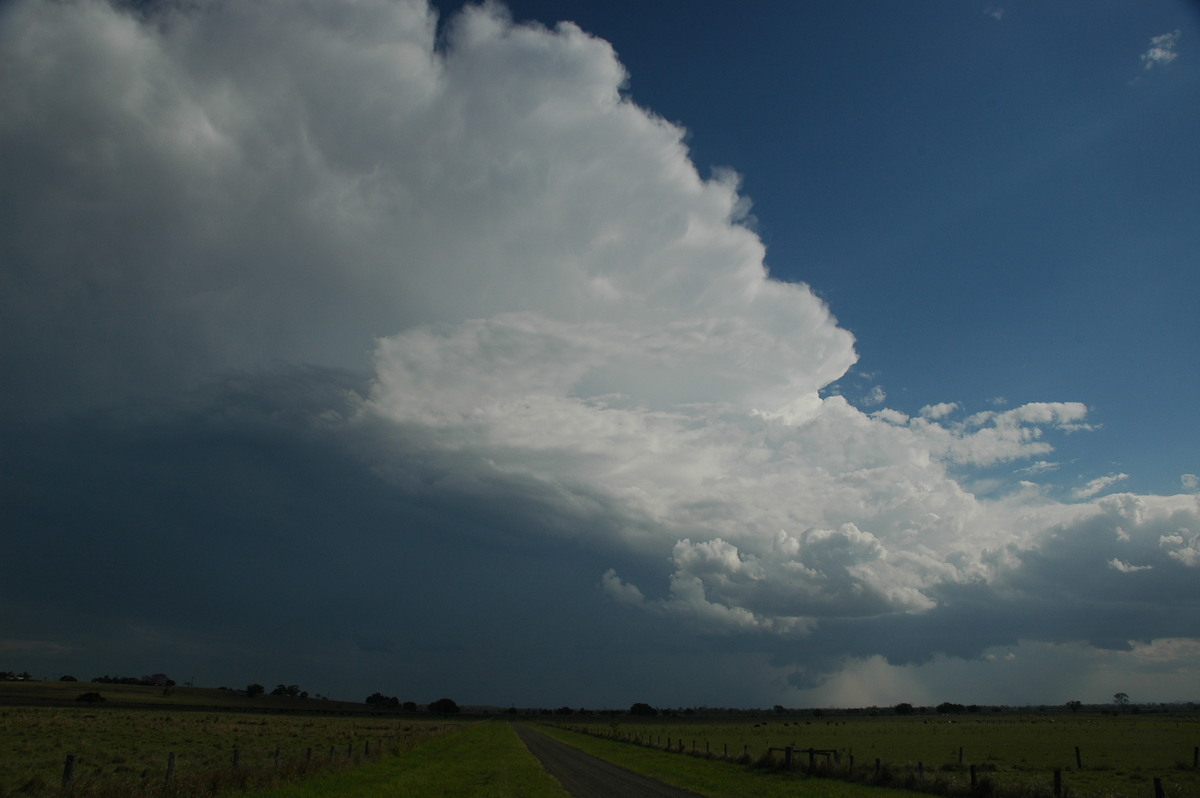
[
  {"x": 1118, "y": 756},
  {"x": 56, "y": 693},
  {"x": 123, "y": 746}
]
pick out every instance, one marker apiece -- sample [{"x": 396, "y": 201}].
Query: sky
[{"x": 565, "y": 353}]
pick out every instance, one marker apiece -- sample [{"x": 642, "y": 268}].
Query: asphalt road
[{"x": 585, "y": 776}]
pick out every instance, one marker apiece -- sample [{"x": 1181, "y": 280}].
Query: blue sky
[{"x": 831, "y": 354}]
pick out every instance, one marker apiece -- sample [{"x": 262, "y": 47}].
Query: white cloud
[
  {"x": 1039, "y": 467},
  {"x": 1126, "y": 568},
  {"x": 1189, "y": 482},
  {"x": 995, "y": 12},
  {"x": 1098, "y": 485},
  {"x": 876, "y": 396},
  {"x": 939, "y": 410},
  {"x": 1162, "y": 50}
]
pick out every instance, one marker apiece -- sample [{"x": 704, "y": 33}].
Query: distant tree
[
  {"x": 1121, "y": 699},
  {"x": 564, "y": 711},
  {"x": 67, "y": 679},
  {"x": 90, "y": 698},
  {"x": 643, "y": 709},
  {"x": 409, "y": 706},
  {"x": 255, "y": 689},
  {"x": 291, "y": 690},
  {"x": 903, "y": 709},
  {"x": 946, "y": 708},
  {"x": 818, "y": 713},
  {"x": 1074, "y": 706},
  {"x": 444, "y": 706},
  {"x": 383, "y": 701}
]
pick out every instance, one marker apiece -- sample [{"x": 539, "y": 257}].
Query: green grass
[
  {"x": 125, "y": 751},
  {"x": 484, "y": 759},
  {"x": 714, "y": 778},
  {"x": 1120, "y": 755}
]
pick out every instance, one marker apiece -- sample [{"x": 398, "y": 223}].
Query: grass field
[
  {"x": 125, "y": 751},
  {"x": 485, "y": 760},
  {"x": 1120, "y": 756},
  {"x": 123, "y": 744}
]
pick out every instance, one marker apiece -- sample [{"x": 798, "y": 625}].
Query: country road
[{"x": 586, "y": 776}]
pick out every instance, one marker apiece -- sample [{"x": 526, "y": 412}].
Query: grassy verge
[
  {"x": 714, "y": 778},
  {"x": 485, "y": 759}
]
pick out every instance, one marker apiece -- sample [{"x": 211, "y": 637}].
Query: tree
[
  {"x": 903, "y": 709},
  {"x": 1120, "y": 699},
  {"x": 255, "y": 689},
  {"x": 643, "y": 709},
  {"x": 1074, "y": 706},
  {"x": 444, "y": 706}
]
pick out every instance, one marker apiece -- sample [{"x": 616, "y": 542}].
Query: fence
[
  {"x": 831, "y": 766},
  {"x": 267, "y": 768}
]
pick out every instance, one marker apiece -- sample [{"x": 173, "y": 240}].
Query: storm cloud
[{"x": 343, "y": 339}]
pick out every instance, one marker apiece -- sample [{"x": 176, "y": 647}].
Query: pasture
[
  {"x": 1117, "y": 756},
  {"x": 128, "y": 752}
]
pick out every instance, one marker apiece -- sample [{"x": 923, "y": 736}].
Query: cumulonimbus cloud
[{"x": 551, "y": 303}]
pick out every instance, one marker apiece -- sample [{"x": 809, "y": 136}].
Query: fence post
[
  {"x": 170, "y": 766},
  {"x": 974, "y": 782},
  {"x": 960, "y": 755},
  {"x": 1078, "y": 759},
  {"x": 308, "y": 756},
  {"x": 276, "y": 756},
  {"x": 1196, "y": 757},
  {"x": 920, "y": 770},
  {"x": 350, "y": 749},
  {"x": 331, "y": 754},
  {"x": 68, "y": 772},
  {"x": 1158, "y": 788},
  {"x": 1057, "y": 782},
  {"x": 236, "y": 756},
  {"x": 876, "y": 766}
]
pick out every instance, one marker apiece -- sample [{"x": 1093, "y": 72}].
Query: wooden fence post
[
  {"x": 236, "y": 756},
  {"x": 170, "y": 766},
  {"x": 920, "y": 770},
  {"x": 974, "y": 781},
  {"x": 960, "y": 755},
  {"x": 308, "y": 757},
  {"x": 1196, "y": 757},
  {"x": 1078, "y": 759},
  {"x": 1158, "y": 788},
  {"x": 1057, "y": 782},
  {"x": 68, "y": 772},
  {"x": 876, "y": 766},
  {"x": 276, "y": 756}
]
